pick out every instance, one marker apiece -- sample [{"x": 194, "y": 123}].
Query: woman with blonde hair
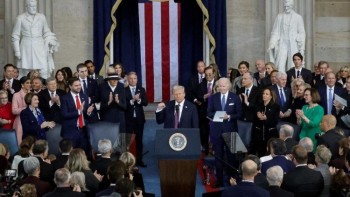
[
  {"x": 129, "y": 160},
  {"x": 78, "y": 179},
  {"x": 77, "y": 162}
]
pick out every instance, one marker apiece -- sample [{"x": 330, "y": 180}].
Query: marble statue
[
  {"x": 287, "y": 37},
  {"x": 33, "y": 42}
]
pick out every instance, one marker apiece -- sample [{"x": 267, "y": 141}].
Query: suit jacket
[
  {"x": 200, "y": 92},
  {"x": 305, "y": 74},
  {"x": 192, "y": 87},
  {"x": 276, "y": 191},
  {"x": 278, "y": 160},
  {"x": 188, "y": 119},
  {"x": 98, "y": 78},
  {"x": 331, "y": 140},
  {"x": 30, "y": 124},
  {"x": 16, "y": 86},
  {"x": 59, "y": 162},
  {"x": 70, "y": 114},
  {"x": 249, "y": 112},
  {"x": 323, "y": 94},
  {"x": 245, "y": 189},
  {"x": 233, "y": 108},
  {"x": 288, "y": 97},
  {"x": 53, "y": 112},
  {"x": 64, "y": 191},
  {"x": 290, "y": 143},
  {"x": 92, "y": 90},
  {"x": 303, "y": 181},
  {"x": 41, "y": 187},
  {"x": 135, "y": 107},
  {"x": 257, "y": 77},
  {"x": 46, "y": 171}
]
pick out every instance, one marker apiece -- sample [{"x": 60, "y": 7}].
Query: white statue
[
  {"x": 287, "y": 37},
  {"x": 33, "y": 42}
]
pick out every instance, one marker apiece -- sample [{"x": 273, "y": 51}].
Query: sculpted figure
[
  {"x": 33, "y": 42},
  {"x": 287, "y": 37}
]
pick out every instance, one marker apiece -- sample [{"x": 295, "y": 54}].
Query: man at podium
[
  {"x": 224, "y": 108},
  {"x": 177, "y": 113}
]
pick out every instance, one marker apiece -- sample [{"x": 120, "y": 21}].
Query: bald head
[
  {"x": 249, "y": 169},
  {"x": 328, "y": 122}
]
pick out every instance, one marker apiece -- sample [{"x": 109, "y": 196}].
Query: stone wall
[{"x": 2, "y": 33}]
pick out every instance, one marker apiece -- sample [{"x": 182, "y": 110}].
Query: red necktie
[{"x": 80, "y": 119}]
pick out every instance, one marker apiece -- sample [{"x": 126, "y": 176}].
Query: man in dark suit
[
  {"x": 249, "y": 96},
  {"x": 76, "y": 113},
  {"x": 261, "y": 72},
  {"x": 10, "y": 84},
  {"x": 91, "y": 71},
  {"x": 178, "y": 113},
  {"x": 331, "y": 137},
  {"x": 136, "y": 99},
  {"x": 274, "y": 176},
  {"x": 286, "y": 134},
  {"x": 195, "y": 80},
  {"x": 298, "y": 71},
  {"x": 327, "y": 93},
  {"x": 203, "y": 92},
  {"x": 302, "y": 181},
  {"x": 283, "y": 95},
  {"x": 62, "y": 176},
  {"x": 247, "y": 186},
  {"x": 49, "y": 101},
  {"x": 88, "y": 86},
  {"x": 65, "y": 148},
  {"x": 113, "y": 102},
  {"x": 319, "y": 80},
  {"x": 231, "y": 104}
]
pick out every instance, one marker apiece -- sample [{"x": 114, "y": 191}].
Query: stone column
[{"x": 303, "y": 7}]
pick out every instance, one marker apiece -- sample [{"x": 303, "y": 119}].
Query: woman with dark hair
[
  {"x": 18, "y": 105},
  {"x": 25, "y": 150},
  {"x": 61, "y": 79},
  {"x": 119, "y": 69},
  {"x": 68, "y": 71},
  {"x": 266, "y": 121},
  {"x": 33, "y": 120},
  {"x": 310, "y": 116}
]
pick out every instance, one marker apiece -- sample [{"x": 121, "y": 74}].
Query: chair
[
  {"x": 296, "y": 128},
  {"x": 53, "y": 137},
  {"x": 245, "y": 131},
  {"x": 8, "y": 136},
  {"x": 103, "y": 130}
]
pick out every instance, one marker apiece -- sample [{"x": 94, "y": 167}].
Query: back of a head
[
  {"x": 116, "y": 171},
  {"x": 28, "y": 190},
  {"x": 77, "y": 161},
  {"x": 254, "y": 158},
  {"x": 124, "y": 187},
  {"x": 40, "y": 147},
  {"x": 128, "y": 158},
  {"x": 104, "y": 146},
  {"x": 2, "y": 150},
  {"x": 323, "y": 154},
  {"x": 78, "y": 178},
  {"x": 279, "y": 147},
  {"x": 26, "y": 144},
  {"x": 286, "y": 131},
  {"x": 62, "y": 177},
  {"x": 30, "y": 165},
  {"x": 249, "y": 168},
  {"x": 307, "y": 143},
  {"x": 330, "y": 120},
  {"x": 274, "y": 175},
  {"x": 65, "y": 145},
  {"x": 300, "y": 154}
]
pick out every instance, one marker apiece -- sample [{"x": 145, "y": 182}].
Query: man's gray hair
[
  {"x": 178, "y": 87},
  {"x": 307, "y": 143},
  {"x": 287, "y": 130},
  {"x": 62, "y": 176},
  {"x": 30, "y": 165},
  {"x": 226, "y": 81},
  {"x": 48, "y": 80},
  {"x": 104, "y": 146},
  {"x": 323, "y": 154},
  {"x": 280, "y": 74},
  {"x": 274, "y": 175}
]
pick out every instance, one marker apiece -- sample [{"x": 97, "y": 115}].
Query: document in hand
[{"x": 219, "y": 116}]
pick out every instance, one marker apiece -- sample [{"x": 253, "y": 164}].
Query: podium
[{"x": 177, "y": 151}]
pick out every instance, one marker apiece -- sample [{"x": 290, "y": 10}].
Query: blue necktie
[
  {"x": 223, "y": 102},
  {"x": 40, "y": 118},
  {"x": 330, "y": 101},
  {"x": 283, "y": 101}
]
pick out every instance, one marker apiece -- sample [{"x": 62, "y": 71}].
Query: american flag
[{"x": 159, "y": 41}]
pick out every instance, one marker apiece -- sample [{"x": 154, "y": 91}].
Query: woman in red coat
[{"x": 6, "y": 116}]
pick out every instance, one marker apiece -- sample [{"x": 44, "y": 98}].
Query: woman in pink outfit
[{"x": 18, "y": 105}]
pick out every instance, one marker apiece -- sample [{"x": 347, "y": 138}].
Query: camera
[
  {"x": 8, "y": 183},
  {"x": 10, "y": 173}
]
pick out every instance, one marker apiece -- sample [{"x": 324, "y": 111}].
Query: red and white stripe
[{"x": 159, "y": 36}]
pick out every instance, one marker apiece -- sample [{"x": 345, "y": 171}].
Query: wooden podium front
[{"x": 177, "y": 167}]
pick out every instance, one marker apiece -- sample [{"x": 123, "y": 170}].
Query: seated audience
[
  {"x": 31, "y": 166},
  {"x": 302, "y": 180},
  {"x": 129, "y": 160},
  {"x": 25, "y": 150},
  {"x": 344, "y": 149},
  {"x": 78, "y": 179},
  {"x": 247, "y": 186},
  {"x": 62, "y": 178},
  {"x": 66, "y": 147},
  {"x": 125, "y": 188},
  {"x": 274, "y": 176},
  {"x": 259, "y": 179},
  {"x": 26, "y": 190}
]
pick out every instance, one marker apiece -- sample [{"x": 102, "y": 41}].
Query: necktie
[
  {"x": 177, "y": 115},
  {"x": 84, "y": 86},
  {"x": 247, "y": 92},
  {"x": 283, "y": 101},
  {"x": 298, "y": 73},
  {"x": 133, "y": 91},
  {"x": 52, "y": 94},
  {"x": 223, "y": 102},
  {"x": 80, "y": 119},
  {"x": 40, "y": 119},
  {"x": 209, "y": 88},
  {"x": 200, "y": 78},
  {"x": 330, "y": 101}
]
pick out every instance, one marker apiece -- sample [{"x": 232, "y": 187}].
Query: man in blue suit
[
  {"x": 247, "y": 186},
  {"x": 178, "y": 113},
  {"x": 76, "y": 113},
  {"x": 283, "y": 96},
  {"x": 231, "y": 104}
]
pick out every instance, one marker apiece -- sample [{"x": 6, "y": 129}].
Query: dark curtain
[
  {"x": 218, "y": 28},
  {"x": 191, "y": 40}
]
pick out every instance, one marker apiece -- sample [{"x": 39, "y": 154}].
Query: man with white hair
[
  {"x": 31, "y": 166},
  {"x": 307, "y": 143},
  {"x": 33, "y": 42},
  {"x": 322, "y": 157},
  {"x": 286, "y": 134},
  {"x": 274, "y": 176},
  {"x": 101, "y": 164},
  {"x": 62, "y": 177},
  {"x": 283, "y": 95}
]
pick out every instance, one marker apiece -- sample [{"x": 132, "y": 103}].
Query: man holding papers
[{"x": 224, "y": 108}]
